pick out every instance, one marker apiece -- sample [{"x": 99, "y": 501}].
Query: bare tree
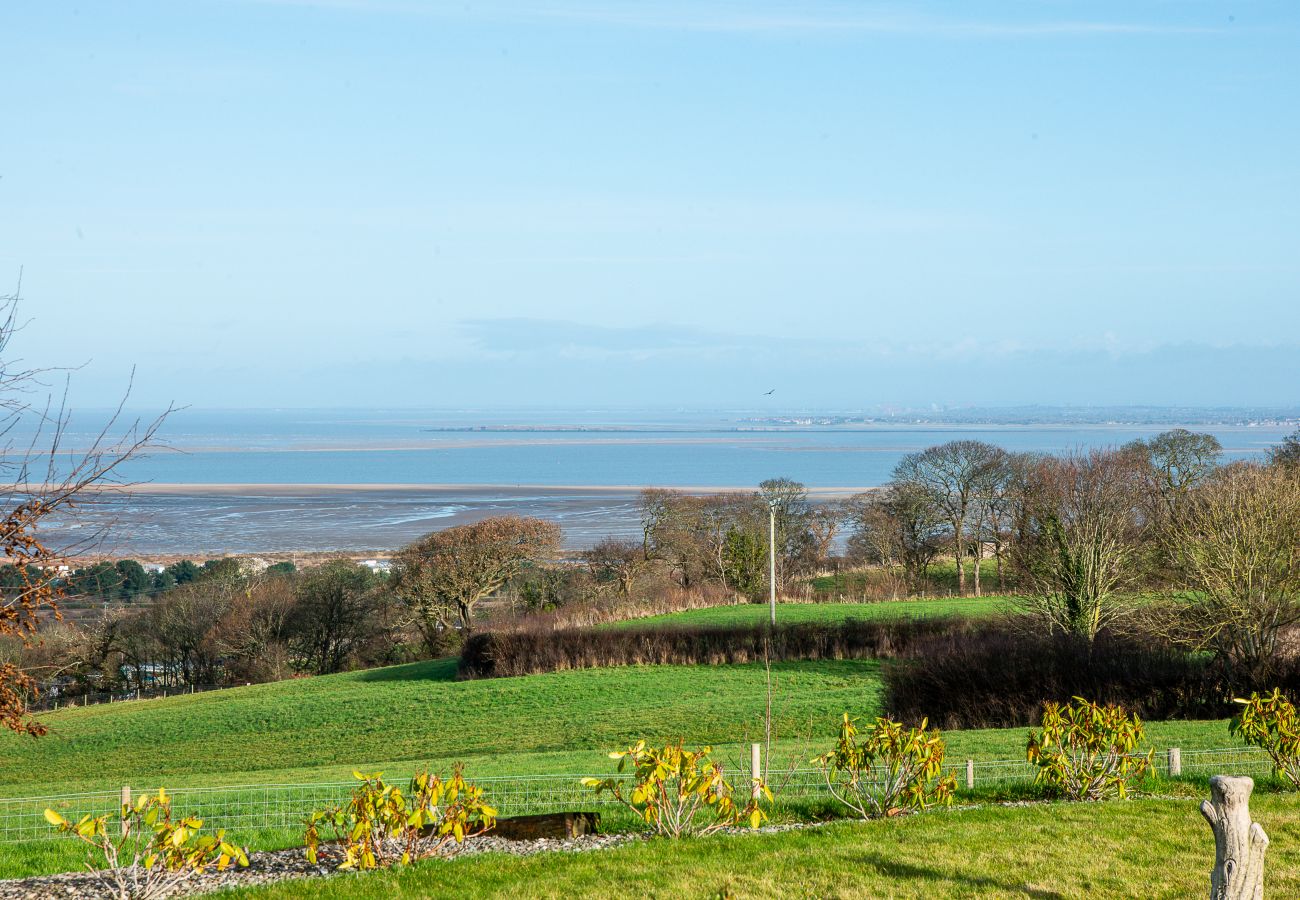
[
  {"x": 1002, "y": 492},
  {"x": 1239, "y": 547},
  {"x": 444, "y": 575},
  {"x": 900, "y": 525},
  {"x": 952, "y": 474},
  {"x": 253, "y": 638},
  {"x": 334, "y": 616},
  {"x": 788, "y": 501},
  {"x": 689, "y": 533},
  {"x": 1079, "y": 538},
  {"x": 655, "y": 504},
  {"x": 1286, "y": 455},
  {"x": 184, "y": 622},
  {"x": 617, "y": 560},
  {"x": 1179, "y": 460},
  {"x": 671, "y": 528},
  {"x": 42, "y": 478},
  {"x": 825, "y": 521}
]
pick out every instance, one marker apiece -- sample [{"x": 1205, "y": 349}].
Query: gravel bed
[{"x": 277, "y": 865}]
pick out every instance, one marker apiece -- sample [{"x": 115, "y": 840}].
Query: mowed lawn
[
  {"x": 1140, "y": 848},
  {"x": 758, "y": 613}
]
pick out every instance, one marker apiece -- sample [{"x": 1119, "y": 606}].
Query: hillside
[
  {"x": 758, "y": 613},
  {"x": 416, "y": 713},
  {"x": 398, "y": 718}
]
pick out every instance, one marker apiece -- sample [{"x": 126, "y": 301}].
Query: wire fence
[
  {"x": 55, "y": 696},
  {"x": 242, "y": 809}
]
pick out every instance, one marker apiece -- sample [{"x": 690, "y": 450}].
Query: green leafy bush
[
  {"x": 382, "y": 824},
  {"x": 889, "y": 770},
  {"x": 1086, "y": 751},
  {"x": 673, "y": 786},
  {"x": 145, "y": 853},
  {"x": 1270, "y": 723}
]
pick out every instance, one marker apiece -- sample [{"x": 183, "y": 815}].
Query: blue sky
[{"x": 340, "y": 202}]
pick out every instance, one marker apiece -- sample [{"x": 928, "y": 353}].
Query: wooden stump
[{"x": 1239, "y": 844}]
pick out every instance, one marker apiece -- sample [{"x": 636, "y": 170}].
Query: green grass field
[
  {"x": 758, "y": 613},
  {"x": 399, "y": 719},
  {"x": 875, "y": 583},
  {"x": 323, "y": 727},
  {"x": 1142, "y": 848},
  {"x": 418, "y": 712}
]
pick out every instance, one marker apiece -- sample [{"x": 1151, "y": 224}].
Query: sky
[{"x": 263, "y": 203}]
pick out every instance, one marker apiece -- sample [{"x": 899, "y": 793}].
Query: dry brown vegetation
[{"x": 42, "y": 478}]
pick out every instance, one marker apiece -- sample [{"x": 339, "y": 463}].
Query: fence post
[
  {"x": 1175, "y": 762},
  {"x": 970, "y": 774},
  {"x": 756, "y": 768},
  {"x": 126, "y": 802}
]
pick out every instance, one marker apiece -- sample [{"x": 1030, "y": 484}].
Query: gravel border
[{"x": 278, "y": 865}]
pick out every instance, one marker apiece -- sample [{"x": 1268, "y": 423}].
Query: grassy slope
[
  {"x": 757, "y": 613},
  {"x": 1148, "y": 848},
  {"x": 319, "y": 729},
  {"x": 417, "y": 712}
]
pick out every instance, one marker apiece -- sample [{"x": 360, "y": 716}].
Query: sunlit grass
[
  {"x": 1147, "y": 848},
  {"x": 758, "y": 613}
]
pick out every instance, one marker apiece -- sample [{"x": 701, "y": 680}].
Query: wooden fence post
[
  {"x": 970, "y": 774},
  {"x": 126, "y": 802},
  {"x": 1175, "y": 762},
  {"x": 756, "y": 767},
  {"x": 1239, "y": 844}
]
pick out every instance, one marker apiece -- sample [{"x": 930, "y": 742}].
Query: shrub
[
  {"x": 145, "y": 853},
  {"x": 1087, "y": 751},
  {"x": 382, "y": 825},
  {"x": 998, "y": 675},
  {"x": 888, "y": 771},
  {"x": 498, "y": 654},
  {"x": 1270, "y": 722},
  {"x": 673, "y": 786}
]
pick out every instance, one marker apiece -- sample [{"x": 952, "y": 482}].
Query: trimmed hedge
[
  {"x": 497, "y": 654},
  {"x": 1000, "y": 675}
]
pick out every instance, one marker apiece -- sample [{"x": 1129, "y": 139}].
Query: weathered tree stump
[{"x": 1239, "y": 844}]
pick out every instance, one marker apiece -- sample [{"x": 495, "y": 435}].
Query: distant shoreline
[{"x": 289, "y": 489}]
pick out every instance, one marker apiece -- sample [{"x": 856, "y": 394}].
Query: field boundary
[{"x": 246, "y": 808}]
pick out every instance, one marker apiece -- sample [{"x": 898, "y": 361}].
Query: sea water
[{"x": 560, "y": 465}]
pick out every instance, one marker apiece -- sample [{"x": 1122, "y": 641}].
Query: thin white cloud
[{"x": 827, "y": 18}]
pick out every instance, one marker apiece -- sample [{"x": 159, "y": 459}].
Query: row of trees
[
  {"x": 226, "y": 625},
  {"x": 1082, "y": 534},
  {"x": 233, "y": 629},
  {"x": 125, "y": 580},
  {"x": 1085, "y": 533},
  {"x": 724, "y": 538}
]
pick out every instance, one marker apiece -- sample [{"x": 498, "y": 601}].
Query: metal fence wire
[{"x": 262, "y": 807}]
